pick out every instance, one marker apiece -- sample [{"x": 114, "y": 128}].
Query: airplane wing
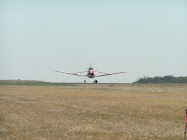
[
  {"x": 81, "y": 72},
  {"x": 72, "y": 73},
  {"x": 101, "y": 72},
  {"x": 106, "y": 74}
]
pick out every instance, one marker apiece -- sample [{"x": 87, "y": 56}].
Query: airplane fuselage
[
  {"x": 90, "y": 75},
  {"x": 90, "y": 72}
]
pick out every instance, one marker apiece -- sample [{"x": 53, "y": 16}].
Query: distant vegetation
[
  {"x": 30, "y": 83},
  {"x": 165, "y": 79}
]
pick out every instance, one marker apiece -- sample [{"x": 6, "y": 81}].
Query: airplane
[{"x": 90, "y": 73}]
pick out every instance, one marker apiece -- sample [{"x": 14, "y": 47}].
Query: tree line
[{"x": 165, "y": 79}]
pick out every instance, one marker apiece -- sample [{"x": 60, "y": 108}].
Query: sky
[{"x": 142, "y": 38}]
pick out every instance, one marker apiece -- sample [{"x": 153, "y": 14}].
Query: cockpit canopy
[{"x": 90, "y": 68}]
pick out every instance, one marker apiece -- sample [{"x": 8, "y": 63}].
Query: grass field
[
  {"x": 93, "y": 111},
  {"x": 31, "y": 83}
]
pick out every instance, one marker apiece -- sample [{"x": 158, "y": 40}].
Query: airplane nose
[{"x": 91, "y": 71}]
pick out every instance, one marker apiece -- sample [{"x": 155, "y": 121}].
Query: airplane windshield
[{"x": 90, "y": 68}]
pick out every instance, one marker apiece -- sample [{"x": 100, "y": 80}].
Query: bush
[{"x": 165, "y": 79}]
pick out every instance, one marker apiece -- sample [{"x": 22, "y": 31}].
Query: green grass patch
[
  {"x": 1, "y": 117},
  {"x": 32, "y": 83}
]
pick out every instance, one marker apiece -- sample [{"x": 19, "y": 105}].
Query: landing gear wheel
[
  {"x": 84, "y": 81},
  {"x": 95, "y": 81}
]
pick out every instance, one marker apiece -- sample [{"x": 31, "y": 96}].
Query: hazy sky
[{"x": 140, "y": 37}]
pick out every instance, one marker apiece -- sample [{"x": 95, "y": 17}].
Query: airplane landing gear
[{"x": 95, "y": 81}]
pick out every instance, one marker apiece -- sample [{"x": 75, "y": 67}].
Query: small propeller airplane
[{"x": 90, "y": 73}]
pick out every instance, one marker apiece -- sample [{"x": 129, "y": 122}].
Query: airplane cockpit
[{"x": 90, "y": 68}]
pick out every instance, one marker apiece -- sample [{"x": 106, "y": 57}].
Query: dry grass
[{"x": 96, "y": 112}]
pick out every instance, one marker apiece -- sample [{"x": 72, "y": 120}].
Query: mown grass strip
[{"x": 35, "y": 84}]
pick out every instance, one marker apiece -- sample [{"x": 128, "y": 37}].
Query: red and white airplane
[{"x": 90, "y": 73}]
